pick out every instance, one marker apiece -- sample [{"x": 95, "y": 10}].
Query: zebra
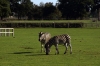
[
  {"x": 43, "y": 38},
  {"x": 59, "y": 39}
]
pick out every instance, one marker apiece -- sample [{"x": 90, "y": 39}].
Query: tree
[
  {"x": 21, "y": 7},
  {"x": 38, "y": 11},
  {"x": 73, "y": 9},
  {"x": 4, "y": 9},
  {"x": 96, "y": 9},
  {"x": 50, "y": 11},
  {"x": 25, "y": 8},
  {"x": 14, "y": 5}
]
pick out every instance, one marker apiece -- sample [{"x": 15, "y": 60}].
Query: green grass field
[
  {"x": 50, "y": 21},
  {"x": 24, "y": 48}
]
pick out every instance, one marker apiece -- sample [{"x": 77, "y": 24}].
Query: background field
[
  {"x": 50, "y": 21},
  {"x": 24, "y": 48}
]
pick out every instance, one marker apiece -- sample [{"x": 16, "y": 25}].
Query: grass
[
  {"x": 50, "y": 21},
  {"x": 24, "y": 48}
]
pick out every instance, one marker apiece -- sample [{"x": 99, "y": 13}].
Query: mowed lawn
[{"x": 24, "y": 48}]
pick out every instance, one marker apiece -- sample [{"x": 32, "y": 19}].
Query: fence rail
[
  {"x": 6, "y": 31},
  {"x": 49, "y": 24},
  {"x": 91, "y": 25}
]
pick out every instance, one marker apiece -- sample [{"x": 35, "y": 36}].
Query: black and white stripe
[{"x": 59, "y": 39}]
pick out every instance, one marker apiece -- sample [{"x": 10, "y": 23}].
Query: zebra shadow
[
  {"x": 21, "y": 52},
  {"x": 39, "y": 54},
  {"x": 28, "y": 53}
]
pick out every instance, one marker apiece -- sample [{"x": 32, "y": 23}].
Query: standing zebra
[
  {"x": 60, "y": 39},
  {"x": 43, "y": 38}
]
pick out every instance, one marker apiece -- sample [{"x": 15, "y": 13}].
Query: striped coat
[{"x": 59, "y": 39}]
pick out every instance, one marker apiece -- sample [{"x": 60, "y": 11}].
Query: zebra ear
[{"x": 41, "y": 32}]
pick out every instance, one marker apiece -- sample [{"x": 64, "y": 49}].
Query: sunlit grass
[
  {"x": 50, "y": 21},
  {"x": 24, "y": 48}
]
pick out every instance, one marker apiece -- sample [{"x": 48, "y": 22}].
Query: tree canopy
[
  {"x": 4, "y": 8},
  {"x": 67, "y": 9},
  {"x": 73, "y": 9}
]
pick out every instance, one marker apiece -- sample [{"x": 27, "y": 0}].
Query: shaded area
[
  {"x": 28, "y": 53},
  {"x": 38, "y": 54},
  {"x": 21, "y": 53}
]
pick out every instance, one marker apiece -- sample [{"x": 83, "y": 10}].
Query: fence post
[
  {"x": 0, "y": 31},
  {"x": 54, "y": 24},
  {"x": 68, "y": 24},
  {"x": 13, "y": 32}
]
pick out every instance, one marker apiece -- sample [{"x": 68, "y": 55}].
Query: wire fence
[
  {"x": 91, "y": 25},
  {"x": 52, "y": 25}
]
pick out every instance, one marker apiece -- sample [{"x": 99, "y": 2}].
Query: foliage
[
  {"x": 96, "y": 5},
  {"x": 73, "y": 9},
  {"x": 96, "y": 9},
  {"x": 50, "y": 11},
  {"x": 37, "y": 12},
  {"x": 4, "y": 9},
  {"x": 64, "y": 9}
]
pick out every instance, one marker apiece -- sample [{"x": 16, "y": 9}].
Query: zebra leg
[
  {"x": 42, "y": 46},
  {"x": 70, "y": 48},
  {"x": 66, "y": 45},
  {"x": 57, "y": 51}
]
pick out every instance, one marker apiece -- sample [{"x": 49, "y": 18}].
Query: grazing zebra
[
  {"x": 43, "y": 38},
  {"x": 60, "y": 39}
]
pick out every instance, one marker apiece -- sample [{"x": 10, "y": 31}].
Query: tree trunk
[
  {"x": 1, "y": 18},
  {"x": 99, "y": 15}
]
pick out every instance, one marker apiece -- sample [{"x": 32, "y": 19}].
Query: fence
[
  {"x": 6, "y": 31},
  {"x": 91, "y": 25},
  {"x": 40, "y": 25},
  {"x": 50, "y": 24}
]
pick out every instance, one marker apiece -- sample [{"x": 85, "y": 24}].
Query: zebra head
[{"x": 41, "y": 36}]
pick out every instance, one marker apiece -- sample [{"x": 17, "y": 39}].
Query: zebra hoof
[
  {"x": 65, "y": 53},
  {"x": 58, "y": 53},
  {"x": 70, "y": 52},
  {"x": 47, "y": 53}
]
